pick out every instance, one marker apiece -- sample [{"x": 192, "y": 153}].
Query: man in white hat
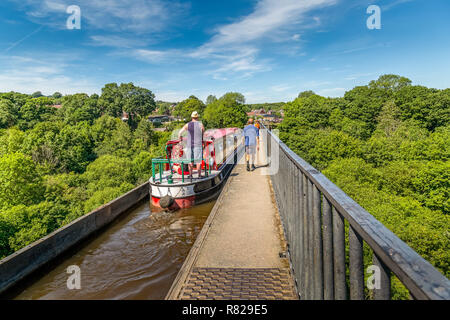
[{"x": 194, "y": 145}]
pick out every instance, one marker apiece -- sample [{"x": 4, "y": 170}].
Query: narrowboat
[{"x": 174, "y": 185}]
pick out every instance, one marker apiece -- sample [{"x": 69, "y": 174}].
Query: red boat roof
[
  {"x": 211, "y": 133},
  {"x": 219, "y": 133}
]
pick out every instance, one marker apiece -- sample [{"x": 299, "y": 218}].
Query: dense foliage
[
  {"x": 184, "y": 109},
  {"x": 228, "y": 111},
  {"x": 58, "y": 163},
  {"x": 387, "y": 146}
]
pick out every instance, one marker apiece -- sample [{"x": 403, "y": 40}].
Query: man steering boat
[{"x": 194, "y": 146}]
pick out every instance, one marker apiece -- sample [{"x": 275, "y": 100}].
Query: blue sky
[{"x": 269, "y": 50}]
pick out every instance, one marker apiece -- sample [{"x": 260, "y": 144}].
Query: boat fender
[{"x": 166, "y": 202}]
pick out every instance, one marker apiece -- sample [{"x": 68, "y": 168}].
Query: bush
[
  {"x": 22, "y": 225},
  {"x": 19, "y": 181}
]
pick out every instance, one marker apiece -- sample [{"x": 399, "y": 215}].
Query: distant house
[
  {"x": 256, "y": 112},
  {"x": 269, "y": 116},
  {"x": 160, "y": 119},
  {"x": 56, "y": 106},
  {"x": 124, "y": 116}
]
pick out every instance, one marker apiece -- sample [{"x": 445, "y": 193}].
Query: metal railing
[{"x": 314, "y": 212}]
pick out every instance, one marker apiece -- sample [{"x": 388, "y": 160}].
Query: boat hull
[{"x": 188, "y": 195}]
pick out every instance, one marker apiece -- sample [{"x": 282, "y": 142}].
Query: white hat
[{"x": 194, "y": 114}]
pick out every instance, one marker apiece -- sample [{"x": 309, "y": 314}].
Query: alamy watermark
[
  {"x": 374, "y": 21},
  {"x": 374, "y": 280},
  {"x": 74, "y": 280},
  {"x": 74, "y": 20}
]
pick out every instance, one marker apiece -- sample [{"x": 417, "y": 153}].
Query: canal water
[{"x": 137, "y": 257}]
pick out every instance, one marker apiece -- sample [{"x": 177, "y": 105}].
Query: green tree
[
  {"x": 111, "y": 100},
  {"x": 74, "y": 147},
  {"x": 18, "y": 99},
  {"x": 19, "y": 181},
  {"x": 142, "y": 166},
  {"x": 210, "y": 99},
  {"x": 136, "y": 101},
  {"x": 185, "y": 108},
  {"x": 112, "y": 136},
  {"x": 145, "y": 135},
  {"x": 32, "y": 223},
  {"x": 37, "y": 94},
  {"x": 34, "y": 111},
  {"x": 228, "y": 111},
  {"x": 8, "y": 113},
  {"x": 364, "y": 103},
  {"x": 306, "y": 94},
  {"x": 40, "y": 144},
  {"x": 390, "y": 82},
  {"x": 430, "y": 107},
  {"x": 311, "y": 110},
  {"x": 108, "y": 171},
  {"x": 11, "y": 141},
  {"x": 80, "y": 107}
]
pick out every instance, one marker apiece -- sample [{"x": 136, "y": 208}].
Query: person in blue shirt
[{"x": 251, "y": 134}]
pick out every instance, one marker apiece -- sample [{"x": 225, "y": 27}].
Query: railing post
[
  {"x": 384, "y": 291},
  {"x": 356, "y": 265},
  {"x": 235, "y": 150},
  {"x": 290, "y": 199},
  {"x": 153, "y": 171},
  {"x": 224, "y": 148},
  {"x": 301, "y": 234},
  {"x": 310, "y": 242},
  {"x": 340, "y": 284},
  {"x": 306, "y": 273},
  {"x": 328, "y": 250},
  {"x": 318, "y": 258}
]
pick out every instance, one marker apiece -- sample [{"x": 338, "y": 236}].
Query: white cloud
[
  {"x": 241, "y": 61},
  {"x": 296, "y": 37},
  {"x": 140, "y": 16},
  {"x": 151, "y": 55},
  {"x": 235, "y": 46},
  {"x": 269, "y": 16}
]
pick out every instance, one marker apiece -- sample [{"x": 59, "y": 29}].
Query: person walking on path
[
  {"x": 251, "y": 134},
  {"x": 194, "y": 145}
]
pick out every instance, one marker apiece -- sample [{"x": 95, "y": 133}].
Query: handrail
[{"x": 323, "y": 249}]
